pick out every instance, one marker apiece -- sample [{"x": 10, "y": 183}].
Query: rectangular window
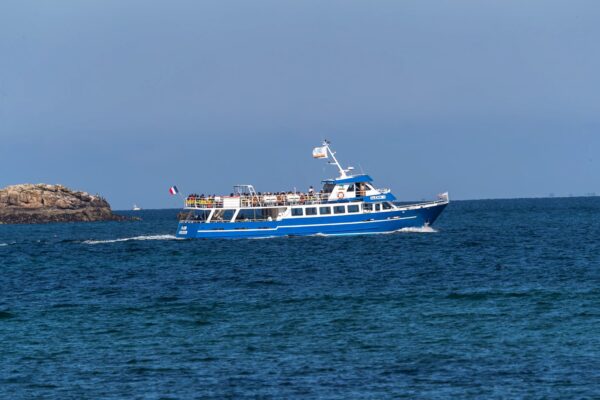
[
  {"x": 339, "y": 209},
  {"x": 324, "y": 210},
  {"x": 353, "y": 208},
  {"x": 351, "y": 188},
  {"x": 368, "y": 207},
  {"x": 328, "y": 187},
  {"x": 297, "y": 212},
  {"x": 311, "y": 211},
  {"x": 377, "y": 207},
  {"x": 387, "y": 206}
]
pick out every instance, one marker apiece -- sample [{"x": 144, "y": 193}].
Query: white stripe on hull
[{"x": 301, "y": 226}]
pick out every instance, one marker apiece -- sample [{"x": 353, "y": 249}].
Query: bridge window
[
  {"x": 353, "y": 208},
  {"x": 297, "y": 212},
  {"x": 377, "y": 207},
  {"x": 361, "y": 190},
  {"x": 387, "y": 206},
  {"x": 311, "y": 211},
  {"x": 339, "y": 209},
  {"x": 324, "y": 210},
  {"x": 368, "y": 207},
  {"x": 328, "y": 187},
  {"x": 351, "y": 188}
]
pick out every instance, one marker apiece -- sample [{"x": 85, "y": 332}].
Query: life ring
[{"x": 340, "y": 195}]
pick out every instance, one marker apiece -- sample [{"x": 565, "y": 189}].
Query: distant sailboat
[{"x": 136, "y": 208}]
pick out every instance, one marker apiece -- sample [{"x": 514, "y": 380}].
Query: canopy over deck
[{"x": 349, "y": 179}]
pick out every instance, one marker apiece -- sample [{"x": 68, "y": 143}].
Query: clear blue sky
[{"x": 485, "y": 99}]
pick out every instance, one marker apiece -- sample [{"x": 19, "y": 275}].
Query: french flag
[{"x": 173, "y": 190}]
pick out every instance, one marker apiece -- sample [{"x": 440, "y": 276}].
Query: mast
[{"x": 335, "y": 161}]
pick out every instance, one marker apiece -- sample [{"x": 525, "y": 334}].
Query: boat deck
[{"x": 261, "y": 201}]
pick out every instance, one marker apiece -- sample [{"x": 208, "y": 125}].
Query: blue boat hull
[{"x": 352, "y": 224}]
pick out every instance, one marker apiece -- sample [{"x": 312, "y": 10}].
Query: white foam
[
  {"x": 149, "y": 237},
  {"x": 262, "y": 237},
  {"x": 351, "y": 234},
  {"x": 3, "y": 244},
  {"x": 423, "y": 229}
]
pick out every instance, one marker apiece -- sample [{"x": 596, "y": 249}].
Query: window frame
[
  {"x": 325, "y": 208},
  {"x": 336, "y": 208},
  {"x": 310, "y": 208}
]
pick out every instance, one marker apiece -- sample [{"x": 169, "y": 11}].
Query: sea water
[{"x": 500, "y": 300}]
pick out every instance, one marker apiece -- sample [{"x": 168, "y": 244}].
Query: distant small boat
[{"x": 136, "y": 208}]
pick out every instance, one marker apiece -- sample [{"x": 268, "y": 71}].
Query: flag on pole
[
  {"x": 173, "y": 190},
  {"x": 320, "y": 152}
]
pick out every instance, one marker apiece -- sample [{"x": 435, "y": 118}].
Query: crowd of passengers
[
  {"x": 202, "y": 199},
  {"x": 279, "y": 198}
]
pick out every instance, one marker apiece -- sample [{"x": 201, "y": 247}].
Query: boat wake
[
  {"x": 423, "y": 229},
  {"x": 351, "y": 234},
  {"x": 148, "y": 237}
]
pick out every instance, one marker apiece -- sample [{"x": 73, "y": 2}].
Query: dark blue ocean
[{"x": 501, "y": 301}]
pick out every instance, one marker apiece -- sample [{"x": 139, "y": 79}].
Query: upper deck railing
[{"x": 271, "y": 200}]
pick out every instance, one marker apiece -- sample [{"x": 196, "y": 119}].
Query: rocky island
[{"x": 41, "y": 203}]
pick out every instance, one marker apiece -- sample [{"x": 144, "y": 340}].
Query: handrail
[
  {"x": 259, "y": 201},
  {"x": 278, "y": 201},
  {"x": 281, "y": 201},
  {"x": 401, "y": 204}
]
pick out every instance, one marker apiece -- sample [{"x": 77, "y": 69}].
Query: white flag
[
  {"x": 320, "y": 152},
  {"x": 444, "y": 196}
]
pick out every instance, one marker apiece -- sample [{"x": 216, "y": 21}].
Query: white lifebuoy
[{"x": 340, "y": 195}]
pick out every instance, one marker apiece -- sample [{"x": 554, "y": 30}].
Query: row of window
[
  {"x": 377, "y": 206},
  {"x": 352, "y": 208},
  {"x": 266, "y": 214}
]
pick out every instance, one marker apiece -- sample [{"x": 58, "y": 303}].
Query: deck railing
[
  {"x": 268, "y": 200},
  {"x": 256, "y": 201}
]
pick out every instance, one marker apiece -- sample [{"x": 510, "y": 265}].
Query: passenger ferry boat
[{"x": 347, "y": 205}]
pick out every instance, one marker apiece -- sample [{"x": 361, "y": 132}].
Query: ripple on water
[{"x": 476, "y": 310}]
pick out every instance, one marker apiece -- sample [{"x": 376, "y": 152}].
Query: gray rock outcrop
[{"x": 29, "y": 204}]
